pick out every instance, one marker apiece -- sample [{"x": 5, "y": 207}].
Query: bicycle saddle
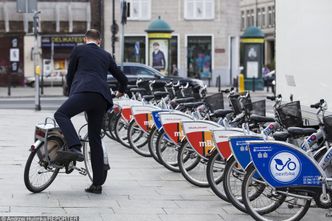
[
  {"x": 192, "y": 104},
  {"x": 298, "y": 131},
  {"x": 160, "y": 94},
  {"x": 148, "y": 97},
  {"x": 281, "y": 135},
  {"x": 261, "y": 119},
  {"x": 130, "y": 86},
  {"x": 221, "y": 113},
  {"x": 137, "y": 90},
  {"x": 184, "y": 100}
]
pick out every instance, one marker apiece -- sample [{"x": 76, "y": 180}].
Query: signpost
[{"x": 30, "y": 6}]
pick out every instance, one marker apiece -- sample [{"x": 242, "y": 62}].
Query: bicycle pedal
[
  {"x": 329, "y": 213},
  {"x": 83, "y": 172}
]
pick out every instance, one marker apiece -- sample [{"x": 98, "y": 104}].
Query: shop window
[
  {"x": 139, "y": 9},
  {"x": 48, "y": 26},
  {"x": 16, "y": 26},
  {"x": 199, "y": 57},
  {"x": 79, "y": 27},
  {"x": 199, "y": 9},
  {"x": 134, "y": 49},
  {"x": 174, "y": 56}
]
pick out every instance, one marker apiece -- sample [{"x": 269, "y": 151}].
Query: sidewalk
[
  {"x": 22, "y": 92},
  {"x": 137, "y": 188}
]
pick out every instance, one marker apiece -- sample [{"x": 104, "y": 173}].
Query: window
[
  {"x": 248, "y": 18},
  {"x": 199, "y": 9},
  {"x": 252, "y": 22},
  {"x": 273, "y": 16},
  {"x": 134, "y": 49},
  {"x": 263, "y": 17},
  {"x": 270, "y": 16},
  {"x": 140, "y": 9},
  {"x": 243, "y": 18},
  {"x": 199, "y": 57},
  {"x": 258, "y": 18}
]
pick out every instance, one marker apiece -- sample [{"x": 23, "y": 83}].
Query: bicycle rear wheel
[{"x": 38, "y": 173}]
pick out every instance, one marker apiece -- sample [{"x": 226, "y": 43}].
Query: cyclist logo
[{"x": 285, "y": 167}]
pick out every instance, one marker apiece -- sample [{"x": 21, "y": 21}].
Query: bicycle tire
[
  {"x": 138, "y": 148},
  {"x": 235, "y": 201},
  {"x": 162, "y": 146},
  {"x": 87, "y": 160},
  {"x": 258, "y": 214},
  {"x": 107, "y": 120},
  {"x": 27, "y": 181},
  {"x": 119, "y": 125},
  {"x": 185, "y": 147},
  {"x": 153, "y": 135},
  {"x": 216, "y": 184}
]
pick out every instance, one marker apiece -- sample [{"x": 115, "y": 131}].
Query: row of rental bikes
[{"x": 272, "y": 168}]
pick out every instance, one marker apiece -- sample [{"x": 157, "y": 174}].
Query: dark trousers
[{"x": 95, "y": 106}]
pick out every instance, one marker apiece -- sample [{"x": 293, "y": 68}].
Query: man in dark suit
[{"x": 89, "y": 92}]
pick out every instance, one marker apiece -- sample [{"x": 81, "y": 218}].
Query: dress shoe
[
  {"x": 94, "y": 189},
  {"x": 72, "y": 154}
]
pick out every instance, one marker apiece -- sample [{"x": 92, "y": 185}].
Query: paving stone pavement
[{"x": 137, "y": 188}]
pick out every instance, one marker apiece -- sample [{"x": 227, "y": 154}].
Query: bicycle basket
[
  {"x": 328, "y": 127},
  {"x": 246, "y": 103},
  {"x": 144, "y": 84},
  {"x": 187, "y": 92},
  {"x": 236, "y": 106},
  {"x": 290, "y": 114},
  {"x": 259, "y": 108},
  {"x": 215, "y": 101}
]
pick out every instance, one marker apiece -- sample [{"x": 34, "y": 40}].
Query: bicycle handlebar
[{"x": 318, "y": 104}]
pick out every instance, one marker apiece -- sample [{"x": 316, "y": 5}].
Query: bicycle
[{"x": 43, "y": 165}]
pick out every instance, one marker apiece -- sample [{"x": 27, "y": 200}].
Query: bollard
[
  {"x": 253, "y": 84},
  {"x": 241, "y": 83}
]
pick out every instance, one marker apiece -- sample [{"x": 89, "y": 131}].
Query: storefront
[
  {"x": 135, "y": 50},
  {"x": 56, "y": 51},
  {"x": 11, "y": 60},
  {"x": 199, "y": 63}
]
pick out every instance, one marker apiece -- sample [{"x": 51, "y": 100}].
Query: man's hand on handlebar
[{"x": 119, "y": 94}]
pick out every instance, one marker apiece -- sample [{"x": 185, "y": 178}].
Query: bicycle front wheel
[{"x": 271, "y": 205}]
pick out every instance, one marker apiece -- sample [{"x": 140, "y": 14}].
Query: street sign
[
  {"x": 14, "y": 54},
  {"x": 26, "y": 6}
]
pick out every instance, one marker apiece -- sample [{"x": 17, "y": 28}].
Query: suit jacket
[{"x": 87, "y": 71}]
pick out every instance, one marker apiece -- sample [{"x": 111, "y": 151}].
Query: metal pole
[
  {"x": 122, "y": 37},
  {"x": 9, "y": 79},
  {"x": 256, "y": 14},
  {"x": 113, "y": 23},
  {"x": 35, "y": 62}
]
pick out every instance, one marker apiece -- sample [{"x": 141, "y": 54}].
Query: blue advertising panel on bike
[
  {"x": 157, "y": 122},
  {"x": 240, "y": 149},
  {"x": 284, "y": 165}
]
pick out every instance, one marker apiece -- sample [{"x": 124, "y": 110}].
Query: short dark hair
[
  {"x": 155, "y": 44},
  {"x": 93, "y": 34}
]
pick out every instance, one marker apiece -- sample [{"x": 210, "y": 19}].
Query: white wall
[{"x": 304, "y": 49}]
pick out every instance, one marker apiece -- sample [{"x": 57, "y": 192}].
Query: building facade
[
  {"x": 204, "y": 44},
  {"x": 261, "y": 13},
  {"x": 61, "y": 26}
]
